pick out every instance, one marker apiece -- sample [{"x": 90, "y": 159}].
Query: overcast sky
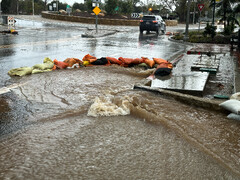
[{"x": 71, "y": 2}]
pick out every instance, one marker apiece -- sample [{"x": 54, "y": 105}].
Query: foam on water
[{"x": 104, "y": 106}]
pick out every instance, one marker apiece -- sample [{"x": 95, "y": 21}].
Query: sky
[{"x": 71, "y": 2}]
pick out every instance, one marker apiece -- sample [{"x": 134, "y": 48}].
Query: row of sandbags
[{"x": 88, "y": 60}]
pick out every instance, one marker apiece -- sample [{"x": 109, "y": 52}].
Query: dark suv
[{"x": 152, "y": 23}]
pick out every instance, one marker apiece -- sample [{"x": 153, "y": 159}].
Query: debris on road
[{"x": 12, "y": 31}]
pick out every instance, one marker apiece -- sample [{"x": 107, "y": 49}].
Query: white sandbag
[
  {"x": 231, "y": 105},
  {"x": 234, "y": 116},
  {"x": 236, "y": 96}
]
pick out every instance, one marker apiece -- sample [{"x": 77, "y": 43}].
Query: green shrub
[
  {"x": 178, "y": 37},
  {"x": 210, "y": 30}
]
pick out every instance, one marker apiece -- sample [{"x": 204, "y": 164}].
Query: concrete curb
[
  {"x": 101, "y": 33},
  {"x": 208, "y": 104}
]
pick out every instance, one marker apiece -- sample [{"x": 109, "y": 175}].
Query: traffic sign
[
  {"x": 200, "y": 7},
  {"x": 11, "y": 21},
  {"x": 96, "y": 10},
  {"x": 135, "y": 15}
]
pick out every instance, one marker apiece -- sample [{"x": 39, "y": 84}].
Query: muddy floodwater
[{"x": 90, "y": 123}]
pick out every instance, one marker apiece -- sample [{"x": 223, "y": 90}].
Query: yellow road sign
[{"x": 96, "y": 10}]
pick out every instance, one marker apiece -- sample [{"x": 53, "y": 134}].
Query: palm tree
[{"x": 226, "y": 9}]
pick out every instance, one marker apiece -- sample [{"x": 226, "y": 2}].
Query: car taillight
[
  {"x": 154, "y": 21},
  {"x": 141, "y": 20}
]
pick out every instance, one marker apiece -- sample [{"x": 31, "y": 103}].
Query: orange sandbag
[
  {"x": 149, "y": 62},
  {"x": 54, "y": 67},
  {"x": 165, "y": 65},
  {"x": 72, "y": 61},
  {"x": 128, "y": 61},
  {"x": 159, "y": 60},
  {"x": 60, "y": 64},
  {"x": 113, "y": 60},
  {"x": 89, "y": 58}
]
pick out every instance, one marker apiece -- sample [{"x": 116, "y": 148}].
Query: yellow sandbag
[
  {"x": 22, "y": 71},
  {"x": 47, "y": 60},
  {"x": 43, "y": 66},
  {"x": 85, "y": 63},
  {"x": 35, "y": 71}
]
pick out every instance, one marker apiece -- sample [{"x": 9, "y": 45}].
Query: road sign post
[
  {"x": 96, "y": 10},
  {"x": 200, "y": 8}
]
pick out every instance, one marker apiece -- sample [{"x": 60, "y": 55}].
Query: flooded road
[{"x": 90, "y": 123}]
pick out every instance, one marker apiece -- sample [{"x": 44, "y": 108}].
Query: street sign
[
  {"x": 96, "y": 10},
  {"x": 135, "y": 15},
  {"x": 11, "y": 21},
  {"x": 200, "y": 7},
  {"x": 67, "y": 6},
  {"x": 69, "y": 10}
]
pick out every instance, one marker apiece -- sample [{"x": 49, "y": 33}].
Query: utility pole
[
  {"x": 17, "y": 6},
  {"x": 187, "y": 21},
  {"x": 33, "y": 6},
  {"x": 194, "y": 12},
  {"x": 214, "y": 3},
  {"x": 0, "y": 12}
]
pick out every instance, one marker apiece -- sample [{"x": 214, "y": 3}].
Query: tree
[
  {"x": 5, "y": 5},
  {"x": 126, "y": 7},
  {"x": 80, "y": 6},
  {"x": 110, "y": 6}
]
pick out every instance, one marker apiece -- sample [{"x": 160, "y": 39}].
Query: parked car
[{"x": 152, "y": 23}]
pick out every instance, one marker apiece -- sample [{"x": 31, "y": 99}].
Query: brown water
[{"x": 89, "y": 123}]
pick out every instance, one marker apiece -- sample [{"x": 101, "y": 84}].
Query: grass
[{"x": 198, "y": 37}]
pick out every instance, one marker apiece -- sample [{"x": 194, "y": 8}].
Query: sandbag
[
  {"x": 72, "y": 61},
  {"x": 86, "y": 63},
  {"x": 234, "y": 116},
  {"x": 236, "y": 96},
  {"x": 159, "y": 60},
  {"x": 113, "y": 60},
  {"x": 60, "y": 64},
  {"x": 22, "y": 71},
  {"x": 131, "y": 61},
  {"x": 35, "y": 71},
  {"x": 231, "y": 105},
  {"x": 43, "y": 66},
  {"x": 47, "y": 60},
  {"x": 89, "y": 58},
  {"x": 101, "y": 61},
  {"x": 149, "y": 62},
  {"x": 162, "y": 71},
  {"x": 144, "y": 65}
]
